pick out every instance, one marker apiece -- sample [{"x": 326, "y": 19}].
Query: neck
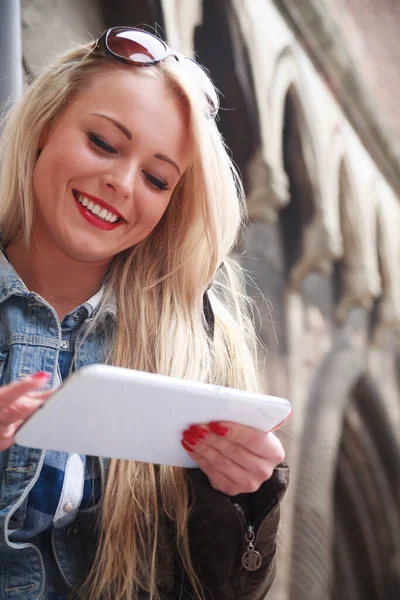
[{"x": 61, "y": 280}]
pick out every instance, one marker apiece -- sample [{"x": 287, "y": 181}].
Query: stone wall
[
  {"x": 51, "y": 26},
  {"x": 315, "y": 195},
  {"x": 370, "y": 29}
]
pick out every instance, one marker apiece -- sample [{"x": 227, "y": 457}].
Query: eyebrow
[
  {"x": 168, "y": 160},
  {"x": 121, "y": 127},
  {"x": 128, "y": 134}
]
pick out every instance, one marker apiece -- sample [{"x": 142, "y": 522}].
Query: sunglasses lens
[
  {"x": 204, "y": 81},
  {"x": 143, "y": 48},
  {"x": 137, "y": 46}
]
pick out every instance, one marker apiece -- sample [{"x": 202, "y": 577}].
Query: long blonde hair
[{"x": 159, "y": 286}]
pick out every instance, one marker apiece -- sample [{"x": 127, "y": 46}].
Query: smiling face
[{"x": 106, "y": 172}]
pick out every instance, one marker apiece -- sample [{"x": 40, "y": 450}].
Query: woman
[{"x": 118, "y": 208}]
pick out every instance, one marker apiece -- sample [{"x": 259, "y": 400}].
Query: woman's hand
[
  {"x": 18, "y": 400},
  {"x": 237, "y": 459}
]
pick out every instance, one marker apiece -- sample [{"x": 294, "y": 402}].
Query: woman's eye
[
  {"x": 161, "y": 185},
  {"x": 101, "y": 143}
]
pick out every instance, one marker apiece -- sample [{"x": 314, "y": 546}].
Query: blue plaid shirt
[{"x": 67, "y": 482}]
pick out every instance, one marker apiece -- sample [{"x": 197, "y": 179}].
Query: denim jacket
[{"x": 30, "y": 338}]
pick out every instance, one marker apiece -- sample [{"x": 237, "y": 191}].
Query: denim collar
[{"x": 12, "y": 285}]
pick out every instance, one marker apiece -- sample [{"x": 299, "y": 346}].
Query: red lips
[
  {"x": 101, "y": 203},
  {"x": 92, "y": 218}
]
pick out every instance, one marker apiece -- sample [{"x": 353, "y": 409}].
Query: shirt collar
[{"x": 93, "y": 303}]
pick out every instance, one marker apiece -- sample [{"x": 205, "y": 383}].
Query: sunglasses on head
[{"x": 134, "y": 46}]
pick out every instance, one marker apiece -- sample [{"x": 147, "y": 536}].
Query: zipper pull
[{"x": 251, "y": 559}]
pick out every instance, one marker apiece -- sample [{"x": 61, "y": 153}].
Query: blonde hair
[{"x": 159, "y": 286}]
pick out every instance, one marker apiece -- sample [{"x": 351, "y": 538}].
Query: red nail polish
[
  {"x": 186, "y": 446},
  {"x": 189, "y": 438},
  {"x": 218, "y": 429},
  {"x": 198, "y": 432},
  {"x": 40, "y": 375}
]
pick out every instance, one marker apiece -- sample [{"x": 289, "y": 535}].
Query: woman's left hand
[{"x": 237, "y": 459}]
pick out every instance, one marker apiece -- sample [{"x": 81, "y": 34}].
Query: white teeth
[{"x": 97, "y": 210}]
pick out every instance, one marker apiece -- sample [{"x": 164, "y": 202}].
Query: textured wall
[
  {"x": 51, "y": 26},
  {"x": 371, "y": 32}
]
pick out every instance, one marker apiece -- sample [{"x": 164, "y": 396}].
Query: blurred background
[{"x": 310, "y": 110}]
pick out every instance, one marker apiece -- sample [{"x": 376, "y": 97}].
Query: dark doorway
[
  {"x": 300, "y": 210},
  {"x": 146, "y": 13},
  {"x": 221, "y": 48}
]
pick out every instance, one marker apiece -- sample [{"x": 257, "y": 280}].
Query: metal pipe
[{"x": 10, "y": 51}]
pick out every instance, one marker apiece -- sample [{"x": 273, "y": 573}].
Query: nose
[{"x": 122, "y": 179}]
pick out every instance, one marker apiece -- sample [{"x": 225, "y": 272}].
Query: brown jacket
[{"x": 217, "y": 529}]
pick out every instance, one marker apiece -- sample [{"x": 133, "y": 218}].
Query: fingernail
[
  {"x": 40, "y": 375},
  {"x": 189, "y": 438},
  {"x": 218, "y": 429},
  {"x": 199, "y": 432},
  {"x": 186, "y": 446}
]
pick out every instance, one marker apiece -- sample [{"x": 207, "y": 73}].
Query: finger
[
  {"x": 7, "y": 432},
  {"x": 24, "y": 406},
  {"x": 255, "y": 441},
  {"x": 20, "y": 409},
  {"x": 10, "y": 392},
  {"x": 256, "y": 467},
  {"x": 247, "y": 437},
  {"x": 270, "y": 452},
  {"x": 250, "y": 476},
  {"x": 209, "y": 444},
  {"x": 40, "y": 395},
  {"x": 219, "y": 481}
]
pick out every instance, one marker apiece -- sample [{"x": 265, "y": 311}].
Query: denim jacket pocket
[
  {"x": 3, "y": 360},
  {"x": 17, "y": 518}
]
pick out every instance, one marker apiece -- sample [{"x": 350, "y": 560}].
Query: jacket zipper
[
  {"x": 251, "y": 559},
  {"x": 266, "y": 512}
]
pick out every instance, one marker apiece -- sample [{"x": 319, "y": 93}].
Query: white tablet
[{"x": 121, "y": 413}]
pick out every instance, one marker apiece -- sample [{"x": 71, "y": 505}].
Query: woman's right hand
[{"x": 18, "y": 400}]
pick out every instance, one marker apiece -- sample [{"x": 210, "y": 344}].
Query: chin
[{"x": 83, "y": 249}]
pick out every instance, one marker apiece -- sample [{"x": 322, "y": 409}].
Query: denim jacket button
[
  {"x": 73, "y": 531},
  {"x": 64, "y": 344}
]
